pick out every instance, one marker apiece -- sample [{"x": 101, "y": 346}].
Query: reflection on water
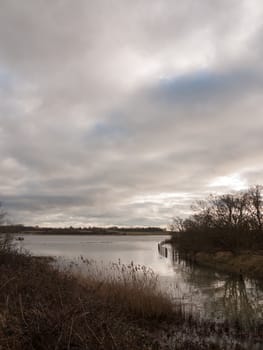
[
  {"x": 225, "y": 296},
  {"x": 237, "y": 304},
  {"x": 204, "y": 291}
]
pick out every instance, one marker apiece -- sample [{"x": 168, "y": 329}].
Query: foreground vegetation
[
  {"x": 42, "y": 307},
  {"x": 45, "y": 308},
  {"x": 225, "y": 231}
]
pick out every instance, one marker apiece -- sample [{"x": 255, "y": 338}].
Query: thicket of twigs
[{"x": 232, "y": 222}]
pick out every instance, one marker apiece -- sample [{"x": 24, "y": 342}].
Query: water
[{"x": 204, "y": 291}]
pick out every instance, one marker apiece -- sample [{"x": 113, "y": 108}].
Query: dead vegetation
[
  {"x": 43, "y": 308},
  {"x": 119, "y": 307},
  {"x": 247, "y": 263},
  {"x": 134, "y": 287}
]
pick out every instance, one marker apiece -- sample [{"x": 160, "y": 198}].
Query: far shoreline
[
  {"x": 83, "y": 231},
  {"x": 134, "y": 234}
]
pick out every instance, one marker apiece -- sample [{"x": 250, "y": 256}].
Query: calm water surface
[{"x": 204, "y": 291}]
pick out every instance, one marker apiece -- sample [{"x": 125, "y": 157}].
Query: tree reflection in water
[
  {"x": 223, "y": 296},
  {"x": 239, "y": 307}
]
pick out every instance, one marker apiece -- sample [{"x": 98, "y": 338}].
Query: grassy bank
[
  {"x": 245, "y": 263},
  {"x": 42, "y": 307}
]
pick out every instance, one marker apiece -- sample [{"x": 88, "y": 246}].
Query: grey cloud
[{"x": 102, "y": 102}]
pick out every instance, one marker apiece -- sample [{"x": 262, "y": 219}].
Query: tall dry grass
[
  {"x": 42, "y": 307},
  {"x": 118, "y": 307},
  {"x": 135, "y": 288}
]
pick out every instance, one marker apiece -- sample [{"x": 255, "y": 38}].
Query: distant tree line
[
  {"x": 76, "y": 230},
  {"x": 231, "y": 222}
]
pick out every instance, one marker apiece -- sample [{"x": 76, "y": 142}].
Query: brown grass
[
  {"x": 134, "y": 287},
  {"x": 115, "y": 307},
  {"x": 247, "y": 263},
  {"x": 44, "y": 308}
]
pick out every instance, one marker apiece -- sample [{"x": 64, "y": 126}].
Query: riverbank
[
  {"x": 245, "y": 263},
  {"x": 248, "y": 263},
  {"x": 42, "y": 307},
  {"x": 224, "y": 232}
]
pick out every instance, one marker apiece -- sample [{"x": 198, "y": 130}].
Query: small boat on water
[{"x": 19, "y": 238}]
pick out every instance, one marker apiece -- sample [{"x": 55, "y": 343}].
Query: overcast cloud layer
[{"x": 123, "y": 112}]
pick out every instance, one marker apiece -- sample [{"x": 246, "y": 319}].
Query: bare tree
[
  {"x": 177, "y": 225},
  {"x": 256, "y": 204},
  {"x": 233, "y": 221},
  {"x": 3, "y": 214},
  {"x": 5, "y": 238}
]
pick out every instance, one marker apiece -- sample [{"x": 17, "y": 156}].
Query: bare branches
[
  {"x": 234, "y": 218},
  {"x": 3, "y": 215}
]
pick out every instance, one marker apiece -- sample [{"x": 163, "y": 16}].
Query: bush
[{"x": 225, "y": 222}]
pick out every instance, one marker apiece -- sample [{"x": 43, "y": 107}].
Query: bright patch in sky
[{"x": 234, "y": 181}]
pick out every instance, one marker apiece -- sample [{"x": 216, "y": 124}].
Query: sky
[{"x": 119, "y": 112}]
